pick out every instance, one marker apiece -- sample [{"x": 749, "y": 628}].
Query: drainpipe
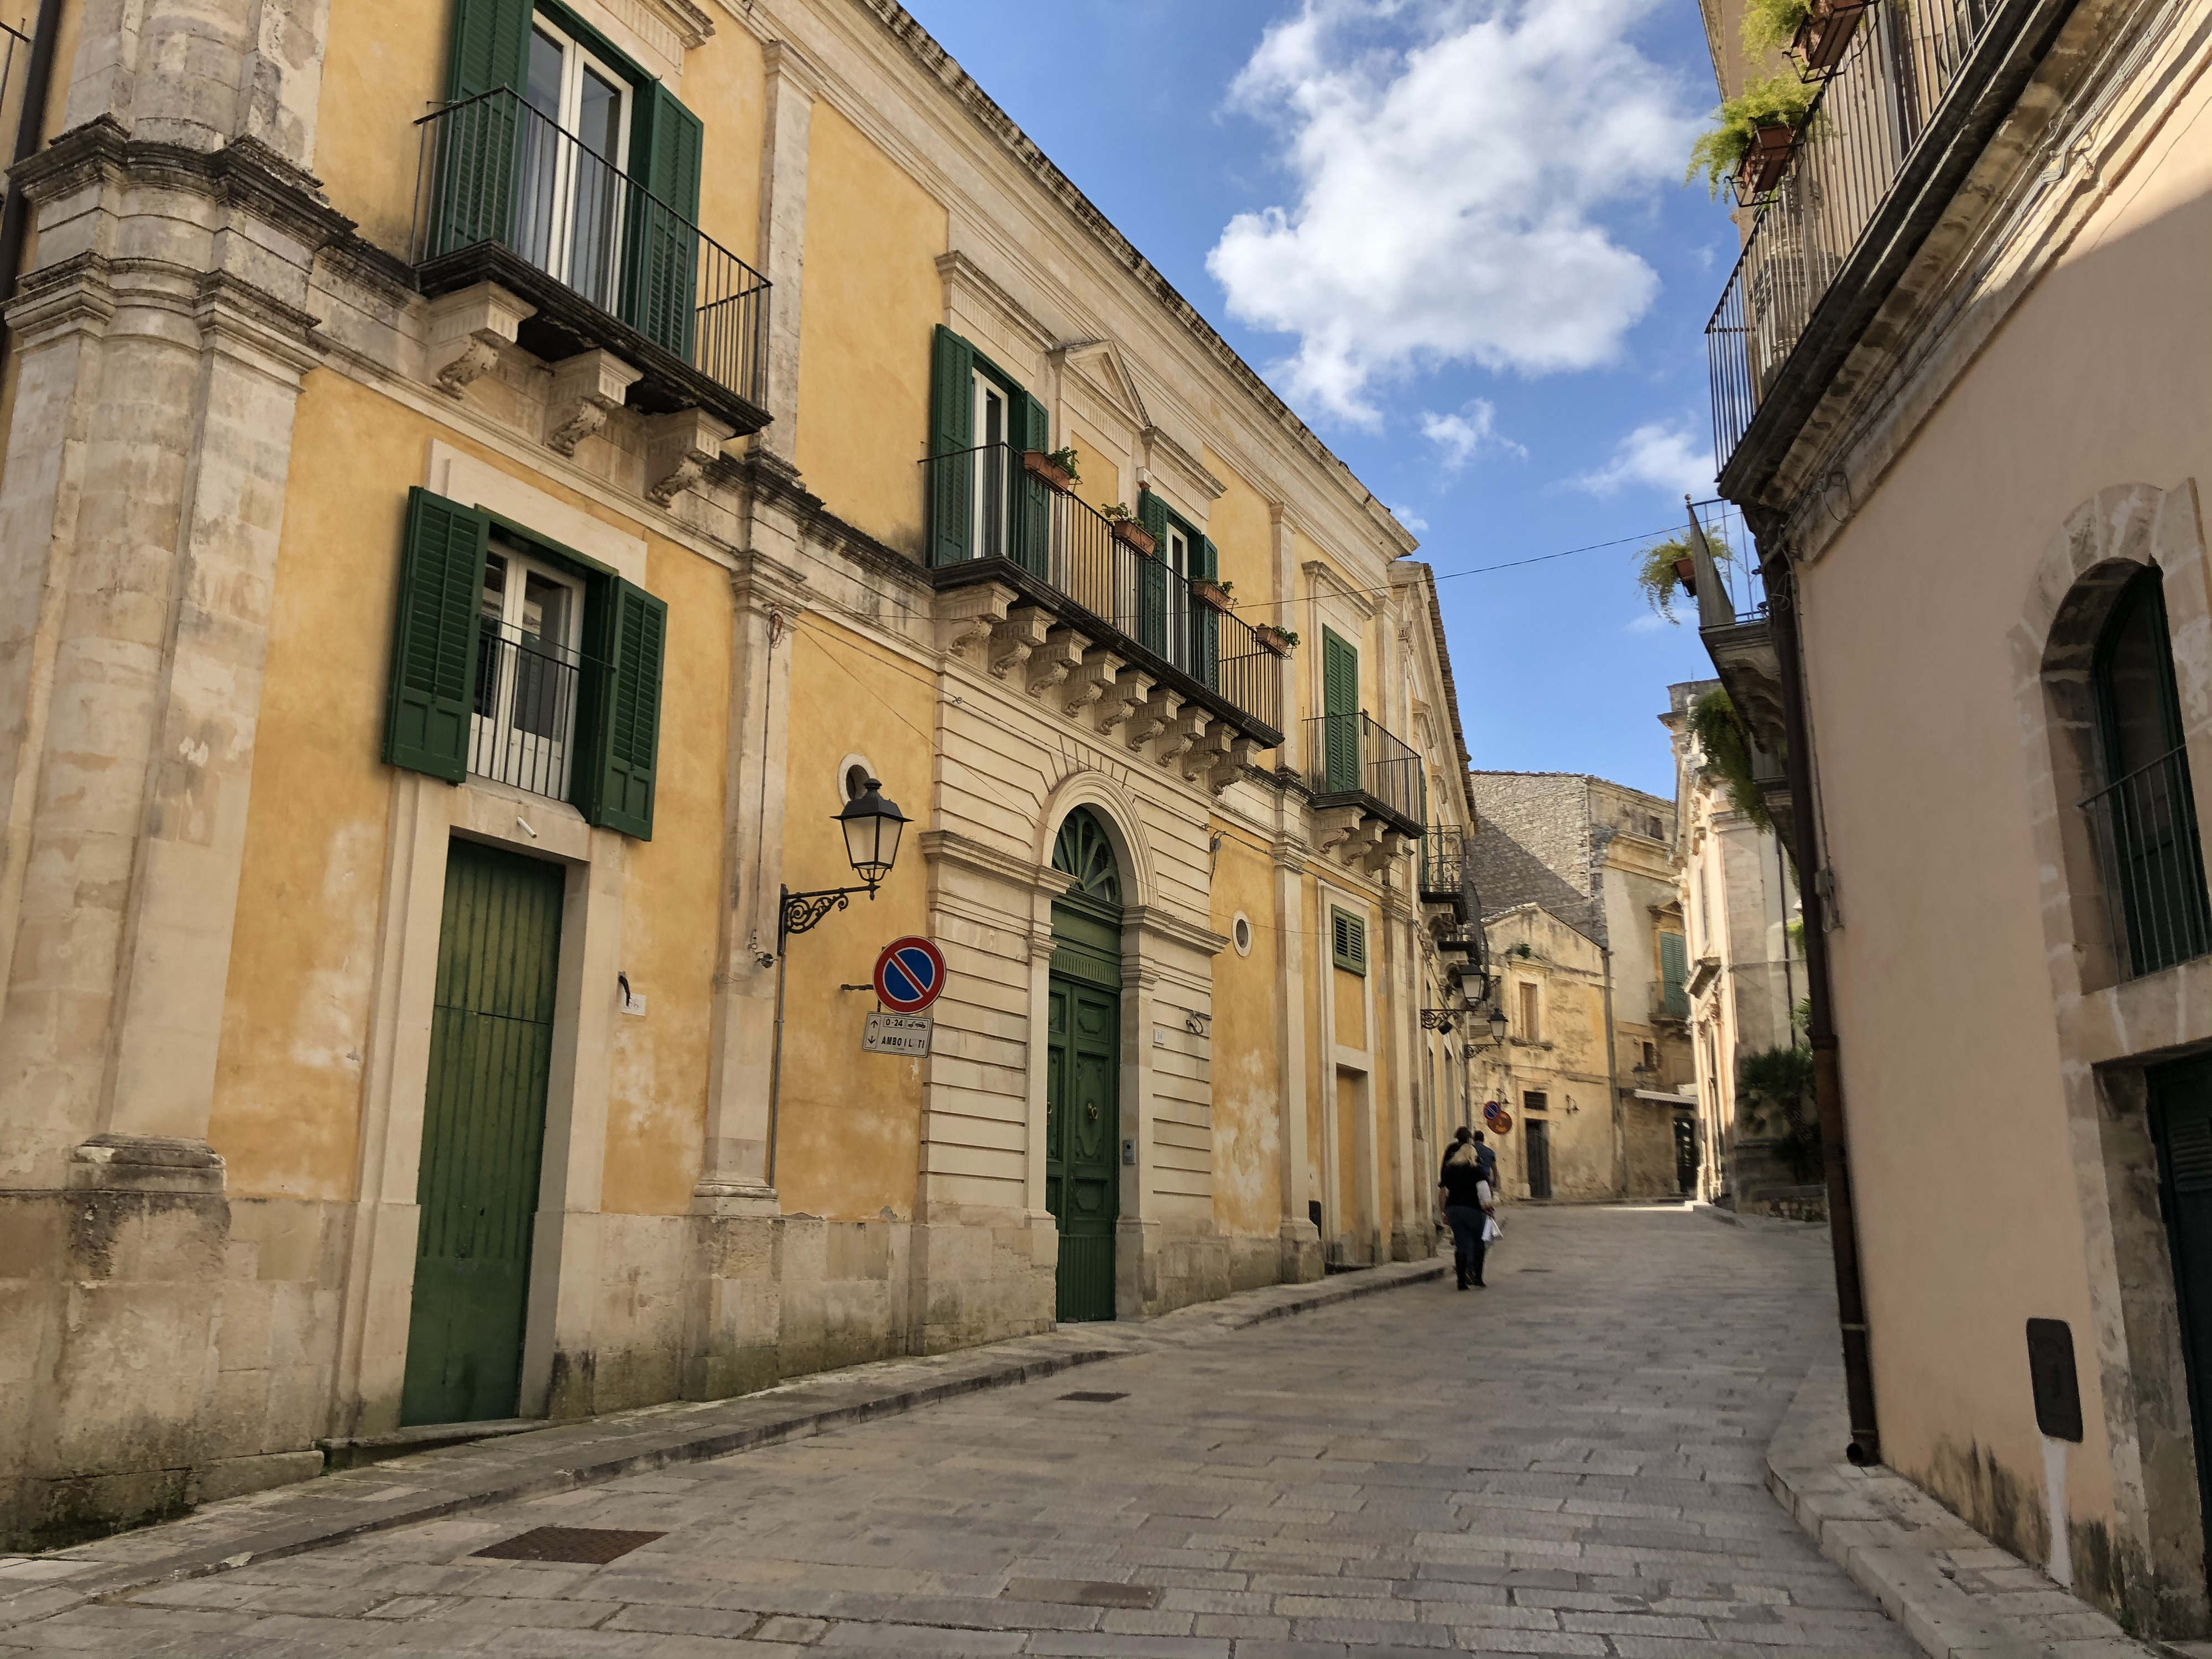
[
  {"x": 1827, "y": 1081},
  {"x": 1612, "y": 1083},
  {"x": 38, "y": 79}
]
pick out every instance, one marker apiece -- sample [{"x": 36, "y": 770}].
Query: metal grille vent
[
  {"x": 589, "y": 1546},
  {"x": 2189, "y": 1146}
]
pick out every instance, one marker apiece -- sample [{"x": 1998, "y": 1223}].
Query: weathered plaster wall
[{"x": 1248, "y": 1086}]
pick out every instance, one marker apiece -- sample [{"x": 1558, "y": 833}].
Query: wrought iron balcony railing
[
  {"x": 1352, "y": 761},
  {"x": 523, "y": 730},
  {"x": 504, "y": 194},
  {"x": 1018, "y": 528},
  {"x": 1865, "y": 121},
  {"x": 2148, "y": 851},
  {"x": 1447, "y": 871},
  {"x": 1739, "y": 590}
]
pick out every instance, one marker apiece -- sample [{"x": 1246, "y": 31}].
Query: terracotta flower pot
[
  {"x": 1686, "y": 572},
  {"x": 1271, "y": 638},
  {"x": 1764, "y": 163},
  {"x": 1209, "y": 594},
  {"x": 1823, "y": 36},
  {"x": 1130, "y": 533},
  {"x": 1039, "y": 464}
]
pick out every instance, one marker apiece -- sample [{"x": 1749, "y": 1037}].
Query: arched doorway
[{"x": 1083, "y": 1076}]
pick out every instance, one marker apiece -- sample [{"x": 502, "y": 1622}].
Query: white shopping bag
[{"x": 1491, "y": 1232}]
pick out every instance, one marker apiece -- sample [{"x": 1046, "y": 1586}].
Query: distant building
[
  {"x": 1739, "y": 900},
  {"x": 1583, "y": 916}
]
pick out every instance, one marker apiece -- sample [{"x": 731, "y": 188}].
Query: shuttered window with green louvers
[
  {"x": 434, "y": 642},
  {"x": 1015, "y": 519},
  {"x": 1347, "y": 941},
  {"x": 437, "y": 675},
  {"x": 660, "y": 287}
]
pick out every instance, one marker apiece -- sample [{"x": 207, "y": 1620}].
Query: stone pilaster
[{"x": 791, "y": 85}]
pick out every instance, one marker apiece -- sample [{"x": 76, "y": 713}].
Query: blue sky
[{"x": 1486, "y": 289}]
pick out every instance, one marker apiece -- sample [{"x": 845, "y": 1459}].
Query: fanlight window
[
  {"x": 2144, "y": 818},
  {"x": 1083, "y": 851}
]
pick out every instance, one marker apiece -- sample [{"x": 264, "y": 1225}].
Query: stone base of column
[
  {"x": 735, "y": 1197},
  {"x": 146, "y": 1163},
  {"x": 1300, "y": 1244}
]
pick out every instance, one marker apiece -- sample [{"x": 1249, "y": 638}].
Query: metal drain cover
[
  {"x": 591, "y": 1546},
  {"x": 1089, "y": 1397}
]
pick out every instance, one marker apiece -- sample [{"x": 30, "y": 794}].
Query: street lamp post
[{"x": 873, "y": 827}]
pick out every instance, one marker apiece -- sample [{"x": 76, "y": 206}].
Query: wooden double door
[{"x": 483, "y": 1135}]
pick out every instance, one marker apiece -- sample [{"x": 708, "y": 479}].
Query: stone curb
[
  {"x": 433, "y": 1485},
  {"x": 1957, "y": 1595}
]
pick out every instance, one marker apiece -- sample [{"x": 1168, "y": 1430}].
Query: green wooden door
[
  {"x": 483, "y": 1130},
  {"x": 1083, "y": 1076},
  {"x": 1340, "y": 693}
]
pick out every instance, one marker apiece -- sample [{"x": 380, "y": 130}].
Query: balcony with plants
[
  {"x": 1369, "y": 796},
  {"x": 1095, "y": 606},
  {"x": 1829, "y": 155},
  {"x": 507, "y": 196}
]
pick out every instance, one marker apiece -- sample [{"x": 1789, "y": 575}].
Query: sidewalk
[
  {"x": 1956, "y": 1593},
  {"x": 454, "y": 1481}
]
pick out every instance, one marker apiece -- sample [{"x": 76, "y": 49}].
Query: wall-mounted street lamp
[
  {"x": 1498, "y": 1024},
  {"x": 872, "y": 826},
  {"x": 1437, "y": 1019}
]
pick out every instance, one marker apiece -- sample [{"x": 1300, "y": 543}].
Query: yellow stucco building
[{"x": 487, "y": 486}]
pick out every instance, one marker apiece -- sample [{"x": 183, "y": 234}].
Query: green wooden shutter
[
  {"x": 1339, "y": 692},
  {"x": 1152, "y": 576},
  {"x": 1032, "y": 518},
  {"x": 432, "y": 694},
  {"x": 625, "y": 728},
  {"x": 950, "y": 509},
  {"x": 490, "y": 48},
  {"x": 660, "y": 298},
  {"x": 471, "y": 164},
  {"x": 1206, "y": 647},
  {"x": 1674, "y": 974}
]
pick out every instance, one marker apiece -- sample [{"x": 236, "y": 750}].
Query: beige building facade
[
  {"x": 1583, "y": 912},
  {"x": 1747, "y": 978},
  {"x": 1972, "y": 446},
  {"x": 494, "y": 485}
]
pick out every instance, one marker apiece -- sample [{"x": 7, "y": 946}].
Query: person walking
[
  {"x": 1488, "y": 1158},
  {"x": 1466, "y": 1196}
]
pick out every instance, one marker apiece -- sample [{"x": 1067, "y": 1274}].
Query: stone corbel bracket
[
  {"x": 586, "y": 388},
  {"x": 1158, "y": 712},
  {"x": 966, "y": 616},
  {"x": 1333, "y": 825},
  {"x": 467, "y": 330},
  {"x": 1061, "y": 655},
  {"x": 1209, "y": 751},
  {"x": 1189, "y": 726},
  {"x": 1394, "y": 845},
  {"x": 678, "y": 449},
  {"x": 1242, "y": 752},
  {"x": 1014, "y": 641},
  {"x": 1092, "y": 679},
  {"x": 1121, "y": 699}
]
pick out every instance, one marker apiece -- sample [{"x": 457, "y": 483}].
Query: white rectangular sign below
[{"x": 898, "y": 1034}]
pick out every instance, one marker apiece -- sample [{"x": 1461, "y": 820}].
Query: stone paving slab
[
  {"x": 456, "y": 1480},
  {"x": 1958, "y": 1595}
]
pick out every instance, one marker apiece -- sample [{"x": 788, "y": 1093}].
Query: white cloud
[
  {"x": 1669, "y": 456},
  {"x": 1413, "y": 520},
  {"x": 1461, "y": 437},
  {"x": 1448, "y": 188},
  {"x": 1649, "y": 623}
]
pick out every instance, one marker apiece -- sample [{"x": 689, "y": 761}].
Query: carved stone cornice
[
  {"x": 959, "y": 271},
  {"x": 1150, "y": 920},
  {"x": 950, "y": 847}
]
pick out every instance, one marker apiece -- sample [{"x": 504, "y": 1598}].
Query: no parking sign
[{"x": 909, "y": 975}]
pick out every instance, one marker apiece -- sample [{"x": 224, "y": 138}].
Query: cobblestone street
[{"x": 1568, "y": 1463}]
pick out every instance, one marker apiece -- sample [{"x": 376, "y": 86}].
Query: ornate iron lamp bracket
[{"x": 802, "y": 910}]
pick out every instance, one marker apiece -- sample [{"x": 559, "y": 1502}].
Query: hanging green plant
[
  {"x": 1659, "y": 574},
  {"x": 1782, "y": 101},
  {"x": 1771, "y": 25},
  {"x": 1719, "y": 731}
]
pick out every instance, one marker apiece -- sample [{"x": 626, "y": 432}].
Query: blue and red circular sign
[
  {"x": 1500, "y": 1119},
  {"x": 909, "y": 975}
]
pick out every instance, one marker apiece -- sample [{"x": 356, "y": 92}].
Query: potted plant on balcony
[
  {"x": 1055, "y": 466},
  {"x": 1752, "y": 136},
  {"x": 1126, "y": 530},
  {"x": 1212, "y": 594},
  {"x": 1816, "y": 30},
  {"x": 1664, "y": 569},
  {"x": 1280, "y": 640}
]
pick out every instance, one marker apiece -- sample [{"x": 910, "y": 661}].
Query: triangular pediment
[{"x": 1100, "y": 366}]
